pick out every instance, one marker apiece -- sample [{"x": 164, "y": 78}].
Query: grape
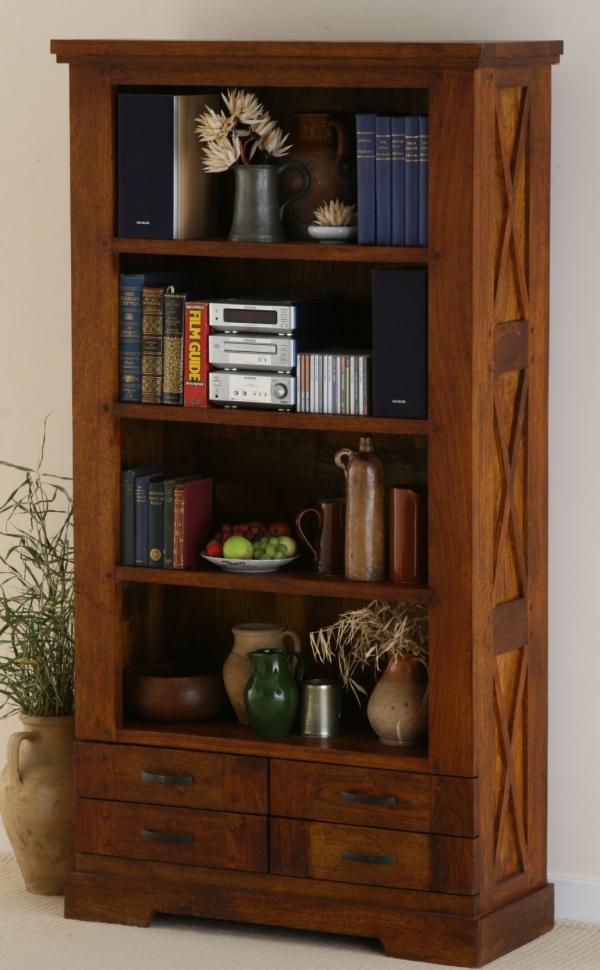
[
  {"x": 226, "y": 527},
  {"x": 279, "y": 555}
]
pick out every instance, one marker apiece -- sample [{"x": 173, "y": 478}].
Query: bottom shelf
[{"x": 356, "y": 747}]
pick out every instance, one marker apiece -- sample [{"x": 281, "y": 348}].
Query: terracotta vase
[
  {"x": 37, "y": 801},
  {"x": 237, "y": 669},
  {"x": 398, "y": 708},
  {"x": 324, "y": 144}
]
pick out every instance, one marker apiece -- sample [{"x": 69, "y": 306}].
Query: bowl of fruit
[{"x": 251, "y": 547}]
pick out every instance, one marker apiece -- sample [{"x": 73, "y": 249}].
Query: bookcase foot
[{"x": 95, "y": 900}]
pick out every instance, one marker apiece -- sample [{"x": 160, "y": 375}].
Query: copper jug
[
  {"x": 365, "y": 511},
  {"x": 323, "y": 143}
]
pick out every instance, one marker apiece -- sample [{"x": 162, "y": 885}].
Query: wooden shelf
[
  {"x": 266, "y": 419},
  {"x": 360, "y": 748},
  {"x": 292, "y": 249},
  {"x": 288, "y": 580}
]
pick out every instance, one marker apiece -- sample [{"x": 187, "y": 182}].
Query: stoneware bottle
[
  {"x": 365, "y": 511},
  {"x": 37, "y": 801},
  {"x": 272, "y": 694},
  {"x": 398, "y": 708},
  {"x": 237, "y": 668}
]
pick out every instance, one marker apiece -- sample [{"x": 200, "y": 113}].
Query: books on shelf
[
  {"x": 195, "y": 355},
  {"x": 334, "y": 383},
  {"x": 392, "y": 164}
]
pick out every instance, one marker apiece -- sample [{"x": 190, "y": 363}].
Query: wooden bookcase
[{"x": 468, "y": 827}]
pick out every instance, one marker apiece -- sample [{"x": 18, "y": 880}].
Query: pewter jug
[{"x": 257, "y": 210}]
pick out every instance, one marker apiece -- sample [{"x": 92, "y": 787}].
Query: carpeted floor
[{"x": 35, "y": 936}]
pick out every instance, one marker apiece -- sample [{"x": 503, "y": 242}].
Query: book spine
[
  {"x": 365, "y": 178},
  {"x": 141, "y": 522},
  {"x": 398, "y": 136},
  {"x": 152, "y": 344},
  {"x": 423, "y": 179},
  {"x": 411, "y": 184},
  {"x": 155, "y": 525},
  {"x": 168, "y": 494},
  {"x": 178, "y": 515},
  {"x": 174, "y": 304},
  {"x": 127, "y": 519},
  {"x": 383, "y": 181},
  {"x": 195, "y": 356},
  {"x": 130, "y": 337}
]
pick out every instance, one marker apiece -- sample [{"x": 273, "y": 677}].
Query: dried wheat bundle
[{"x": 363, "y": 637}]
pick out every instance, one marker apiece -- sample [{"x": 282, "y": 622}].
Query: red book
[
  {"x": 192, "y": 521},
  {"x": 195, "y": 355}
]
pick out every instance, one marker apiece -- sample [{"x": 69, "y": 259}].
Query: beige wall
[{"x": 34, "y": 291}]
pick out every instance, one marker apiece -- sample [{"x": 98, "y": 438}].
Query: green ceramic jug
[{"x": 271, "y": 694}]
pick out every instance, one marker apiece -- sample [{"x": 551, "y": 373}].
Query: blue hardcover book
[
  {"x": 130, "y": 327},
  {"x": 383, "y": 181},
  {"x": 398, "y": 136},
  {"x": 423, "y": 178},
  {"x": 411, "y": 184},
  {"x": 141, "y": 516},
  {"x": 156, "y": 501},
  {"x": 365, "y": 179},
  {"x": 128, "y": 478}
]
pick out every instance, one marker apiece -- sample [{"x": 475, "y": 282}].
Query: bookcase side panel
[
  {"x": 451, "y": 109},
  {"x": 510, "y": 475},
  {"x": 95, "y": 439}
]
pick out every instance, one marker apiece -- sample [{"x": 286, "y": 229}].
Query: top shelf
[{"x": 291, "y": 249}]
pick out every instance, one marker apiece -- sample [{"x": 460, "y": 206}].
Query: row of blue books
[{"x": 392, "y": 164}]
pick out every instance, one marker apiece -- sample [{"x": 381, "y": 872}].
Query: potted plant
[
  {"x": 37, "y": 676},
  {"x": 334, "y": 222},
  {"x": 399, "y": 634},
  {"x": 248, "y": 140}
]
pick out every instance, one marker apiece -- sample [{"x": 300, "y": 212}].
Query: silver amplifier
[
  {"x": 273, "y": 314},
  {"x": 245, "y": 389}
]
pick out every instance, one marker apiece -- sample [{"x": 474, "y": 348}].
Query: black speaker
[{"x": 400, "y": 343}]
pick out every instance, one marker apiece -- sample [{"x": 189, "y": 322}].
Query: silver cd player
[
  {"x": 245, "y": 389},
  {"x": 273, "y": 314},
  {"x": 271, "y": 352}
]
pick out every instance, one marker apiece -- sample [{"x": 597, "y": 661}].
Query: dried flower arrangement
[
  {"x": 36, "y": 597},
  {"x": 335, "y": 214},
  {"x": 236, "y": 137},
  {"x": 364, "y": 637}
]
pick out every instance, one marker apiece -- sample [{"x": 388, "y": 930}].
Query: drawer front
[
  {"x": 167, "y": 776},
  {"x": 220, "y": 840},
  {"x": 379, "y": 857},
  {"x": 387, "y": 799}
]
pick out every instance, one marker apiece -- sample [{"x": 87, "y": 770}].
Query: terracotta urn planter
[
  {"x": 37, "y": 801},
  {"x": 398, "y": 708}
]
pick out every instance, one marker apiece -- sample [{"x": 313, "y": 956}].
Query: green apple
[
  {"x": 289, "y": 545},
  {"x": 236, "y": 547}
]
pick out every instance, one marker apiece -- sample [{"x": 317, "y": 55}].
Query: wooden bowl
[{"x": 173, "y": 692}]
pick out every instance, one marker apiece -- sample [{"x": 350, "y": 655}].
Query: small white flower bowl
[{"x": 333, "y": 234}]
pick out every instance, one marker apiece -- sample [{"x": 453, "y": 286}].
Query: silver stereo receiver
[
  {"x": 273, "y": 352},
  {"x": 273, "y": 314},
  {"x": 245, "y": 389}
]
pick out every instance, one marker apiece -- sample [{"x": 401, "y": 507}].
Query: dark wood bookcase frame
[{"x": 469, "y": 826}]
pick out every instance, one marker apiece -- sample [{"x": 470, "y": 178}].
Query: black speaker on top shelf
[{"x": 400, "y": 343}]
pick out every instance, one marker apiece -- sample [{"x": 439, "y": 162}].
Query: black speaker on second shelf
[{"x": 400, "y": 343}]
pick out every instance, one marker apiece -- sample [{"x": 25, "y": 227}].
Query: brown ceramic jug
[
  {"x": 365, "y": 511},
  {"x": 37, "y": 801},
  {"x": 237, "y": 669},
  {"x": 398, "y": 708},
  {"x": 323, "y": 143}
]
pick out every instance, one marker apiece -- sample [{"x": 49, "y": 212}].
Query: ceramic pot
[
  {"x": 271, "y": 696},
  {"x": 365, "y": 511},
  {"x": 324, "y": 145},
  {"x": 237, "y": 669},
  {"x": 398, "y": 708},
  {"x": 37, "y": 801},
  {"x": 257, "y": 210}
]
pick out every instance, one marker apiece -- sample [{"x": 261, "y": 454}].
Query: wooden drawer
[
  {"x": 380, "y": 857},
  {"x": 360, "y": 796},
  {"x": 221, "y": 840},
  {"x": 167, "y": 776}
]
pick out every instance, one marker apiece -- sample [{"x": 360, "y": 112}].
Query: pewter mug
[
  {"x": 257, "y": 210},
  {"x": 320, "y": 708}
]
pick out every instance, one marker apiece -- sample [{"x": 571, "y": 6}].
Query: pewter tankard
[{"x": 320, "y": 708}]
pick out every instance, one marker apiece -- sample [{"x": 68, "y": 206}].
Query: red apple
[
  {"x": 279, "y": 529},
  {"x": 214, "y": 548}
]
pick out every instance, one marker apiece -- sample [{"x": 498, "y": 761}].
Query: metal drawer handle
[
  {"x": 164, "y": 836},
  {"x": 374, "y": 860},
  {"x": 349, "y": 796},
  {"x": 167, "y": 779}
]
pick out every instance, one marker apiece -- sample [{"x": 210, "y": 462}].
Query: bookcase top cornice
[{"x": 468, "y": 55}]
